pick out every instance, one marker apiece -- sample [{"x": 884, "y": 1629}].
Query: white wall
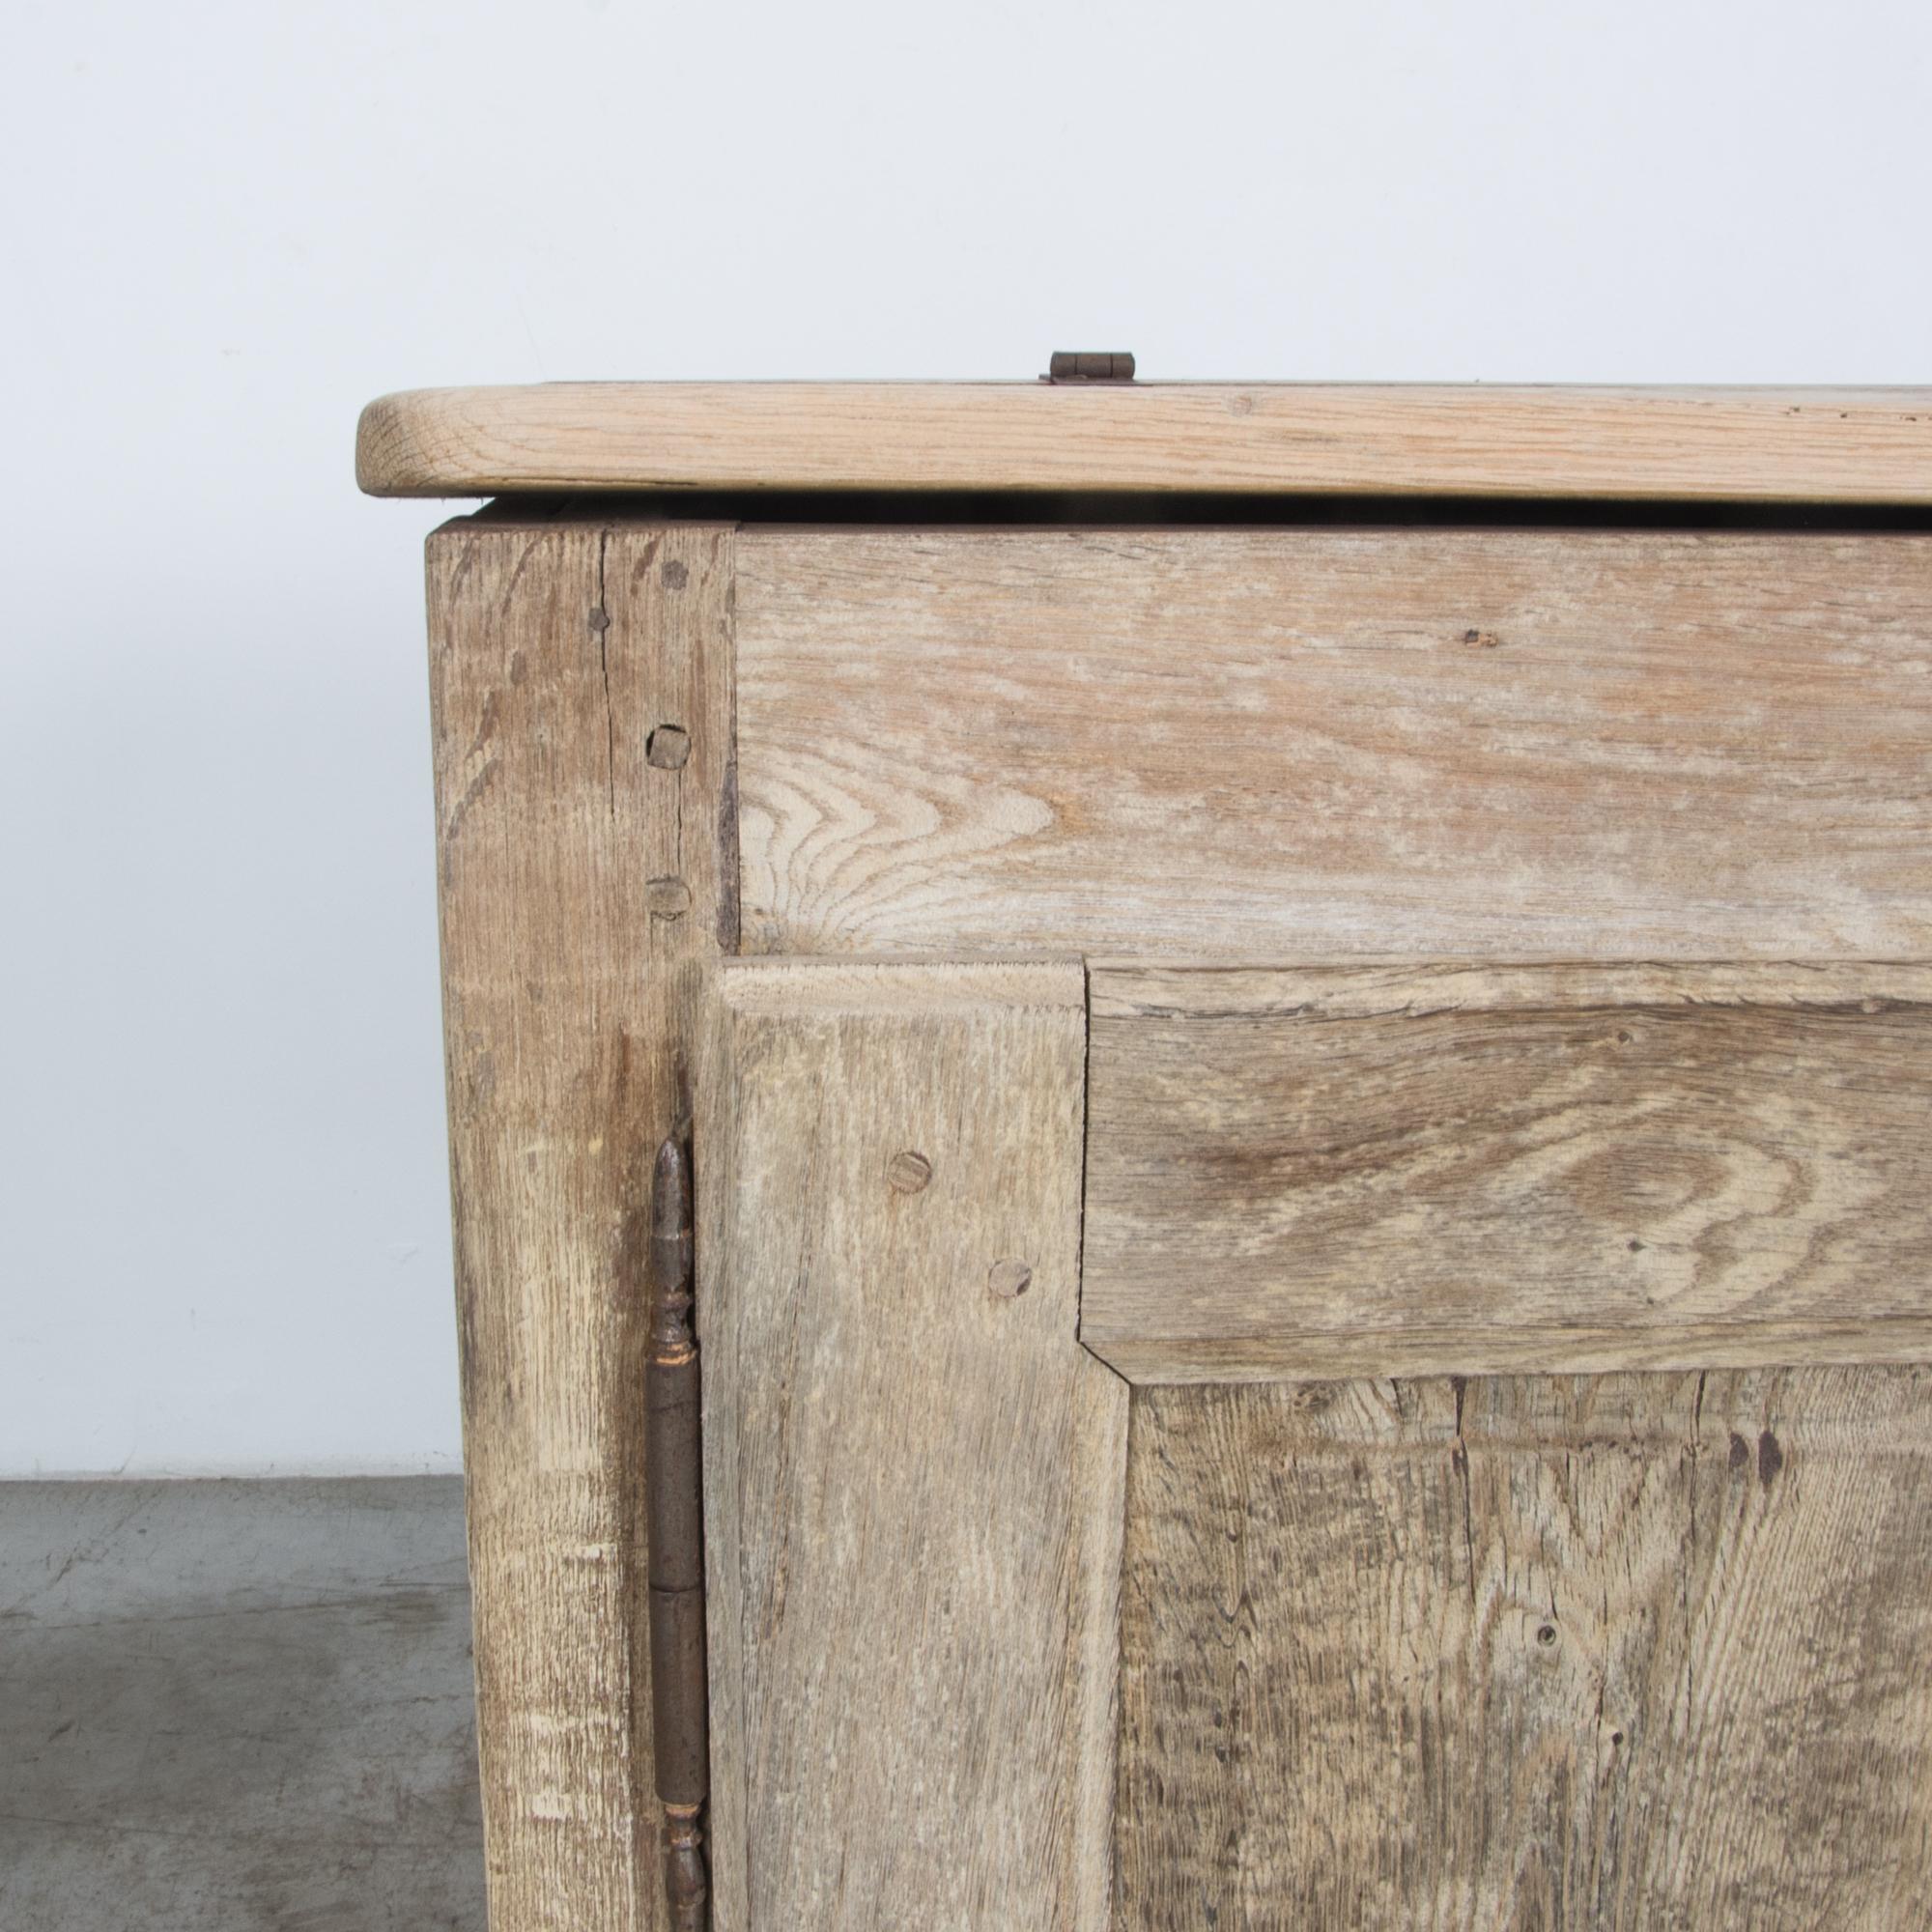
[{"x": 223, "y": 1234}]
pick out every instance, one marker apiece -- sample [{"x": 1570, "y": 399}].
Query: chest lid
[{"x": 1278, "y": 439}]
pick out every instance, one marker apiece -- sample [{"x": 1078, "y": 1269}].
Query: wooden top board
[{"x": 1852, "y": 445}]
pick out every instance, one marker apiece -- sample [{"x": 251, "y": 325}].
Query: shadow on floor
[{"x": 228, "y": 1706}]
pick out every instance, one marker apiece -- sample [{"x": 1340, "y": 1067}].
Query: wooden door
[{"x": 1005, "y": 1633}]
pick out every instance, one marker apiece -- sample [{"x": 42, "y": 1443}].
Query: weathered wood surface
[
  {"x": 1281, "y": 745},
  {"x": 1640, "y": 1654},
  {"x": 1738, "y": 444},
  {"x": 1408, "y": 1170},
  {"x": 912, "y": 1468},
  {"x": 576, "y": 874}
]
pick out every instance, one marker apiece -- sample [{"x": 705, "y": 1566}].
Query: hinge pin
[
  {"x": 674, "y": 1558},
  {"x": 1090, "y": 366}
]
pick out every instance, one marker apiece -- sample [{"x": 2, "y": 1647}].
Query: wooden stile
[
  {"x": 912, "y": 1468},
  {"x": 556, "y": 649}
]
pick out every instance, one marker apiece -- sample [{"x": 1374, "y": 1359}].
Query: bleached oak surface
[
  {"x": 576, "y": 876},
  {"x": 1273, "y": 745},
  {"x": 1736, "y": 444},
  {"x": 912, "y": 1468},
  {"x": 1400, "y": 1170},
  {"x": 1631, "y": 1653},
  {"x": 1254, "y": 748}
]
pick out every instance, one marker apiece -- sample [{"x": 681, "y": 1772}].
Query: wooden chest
[{"x": 1303, "y": 1019}]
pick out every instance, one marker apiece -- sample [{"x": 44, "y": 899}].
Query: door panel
[{"x": 1636, "y": 1651}]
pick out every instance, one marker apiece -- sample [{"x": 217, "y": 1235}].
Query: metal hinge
[
  {"x": 1090, "y": 366},
  {"x": 675, "y": 1557}
]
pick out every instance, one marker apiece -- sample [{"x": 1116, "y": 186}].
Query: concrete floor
[{"x": 230, "y": 1706}]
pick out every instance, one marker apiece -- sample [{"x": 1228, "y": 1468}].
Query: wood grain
[
  {"x": 576, "y": 876},
  {"x": 912, "y": 1468},
  {"x": 1641, "y": 1654},
  {"x": 1277, "y": 745},
  {"x": 1402, "y": 1169},
  {"x": 1732, "y": 444}
]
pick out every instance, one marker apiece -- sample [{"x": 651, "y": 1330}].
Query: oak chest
[{"x": 1285, "y": 1034}]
